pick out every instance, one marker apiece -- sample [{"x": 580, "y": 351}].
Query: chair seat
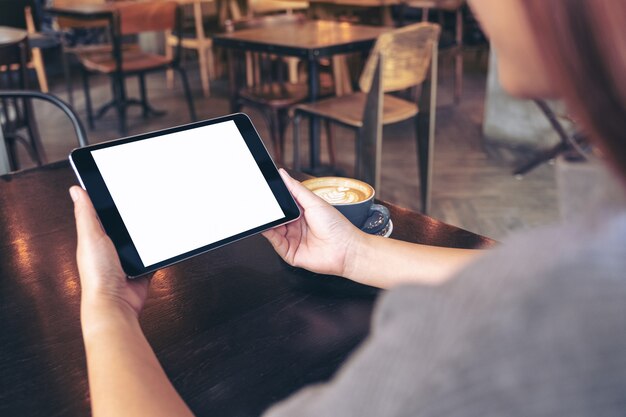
[
  {"x": 348, "y": 109},
  {"x": 278, "y": 95},
  {"x": 43, "y": 40},
  {"x": 100, "y": 48},
  {"x": 132, "y": 61}
]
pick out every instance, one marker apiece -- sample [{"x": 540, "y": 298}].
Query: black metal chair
[{"x": 10, "y": 138}]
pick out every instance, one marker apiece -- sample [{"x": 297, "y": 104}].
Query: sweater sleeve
[{"x": 523, "y": 332}]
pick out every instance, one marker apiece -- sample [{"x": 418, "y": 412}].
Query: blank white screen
[{"x": 185, "y": 190}]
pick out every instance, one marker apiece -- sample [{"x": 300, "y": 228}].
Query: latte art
[
  {"x": 340, "y": 194},
  {"x": 339, "y": 190}
]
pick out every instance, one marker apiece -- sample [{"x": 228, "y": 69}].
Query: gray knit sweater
[{"x": 537, "y": 327}]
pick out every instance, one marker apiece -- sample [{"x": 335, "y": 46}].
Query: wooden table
[
  {"x": 309, "y": 41},
  {"x": 236, "y": 329}
]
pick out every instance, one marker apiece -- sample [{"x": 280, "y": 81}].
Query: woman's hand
[
  {"x": 104, "y": 286},
  {"x": 321, "y": 240}
]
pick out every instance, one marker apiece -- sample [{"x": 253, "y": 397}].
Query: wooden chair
[
  {"x": 196, "y": 37},
  {"x": 264, "y": 80},
  {"x": 132, "y": 18},
  {"x": 399, "y": 61},
  {"x": 454, "y": 47},
  {"x": 66, "y": 25}
]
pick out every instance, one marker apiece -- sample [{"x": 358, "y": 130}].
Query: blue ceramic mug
[{"x": 354, "y": 199}]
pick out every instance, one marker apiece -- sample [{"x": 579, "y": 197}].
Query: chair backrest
[
  {"x": 435, "y": 4},
  {"x": 264, "y": 21},
  {"x": 407, "y": 56},
  {"x": 369, "y": 147},
  {"x": 262, "y": 7},
  {"x": 67, "y": 22},
  {"x": 149, "y": 16},
  {"x": 71, "y": 114}
]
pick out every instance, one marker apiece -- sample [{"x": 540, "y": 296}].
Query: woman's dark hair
[{"x": 584, "y": 44}]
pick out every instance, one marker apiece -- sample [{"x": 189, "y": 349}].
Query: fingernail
[
  {"x": 74, "y": 194},
  {"x": 284, "y": 173}
]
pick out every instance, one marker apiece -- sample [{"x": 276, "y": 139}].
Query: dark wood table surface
[
  {"x": 236, "y": 329},
  {"x": 309, "y": 40}
]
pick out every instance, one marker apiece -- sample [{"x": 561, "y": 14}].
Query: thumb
[
  {"x": 305, "y": 197},
  {"x": 87, "y": 224}
]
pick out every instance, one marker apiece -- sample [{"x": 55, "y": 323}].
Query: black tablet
[{"x": 168, "y": 195}]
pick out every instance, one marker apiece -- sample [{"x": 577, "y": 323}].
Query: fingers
[
  {"x": 87, "y": 224},
  {"x": 276, "y": 235},
  {"x": 302, "y": 194}
]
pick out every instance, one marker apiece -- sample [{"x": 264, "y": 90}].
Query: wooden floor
[{"x": 469, "y": 189}]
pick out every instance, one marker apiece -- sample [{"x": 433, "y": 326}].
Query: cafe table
[
  {"x": 310, "y": 41},
  {"x": 236, "y": 329}
]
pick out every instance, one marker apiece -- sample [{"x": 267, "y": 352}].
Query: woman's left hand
[{"x": 104, "y": 285}]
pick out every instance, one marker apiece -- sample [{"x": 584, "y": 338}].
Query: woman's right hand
[{"x": 322, "y": 240}]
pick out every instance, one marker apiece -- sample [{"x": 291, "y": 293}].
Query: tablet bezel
[{"x": 89, "y": 176}]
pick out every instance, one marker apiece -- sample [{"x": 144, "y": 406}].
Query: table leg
[
  {"x": 5, "y": 166},
  {"x": 121, "y": 103},
  {"x": 458, "y": 58},
  {"x": 39, "y": 152},
  {"x": 233, "y": 83},
  {"x": 386, "y": 18},
  {"x": 314, "y": 123}
]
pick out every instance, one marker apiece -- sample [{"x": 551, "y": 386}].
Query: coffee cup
[{"x": 354, "y": 199}]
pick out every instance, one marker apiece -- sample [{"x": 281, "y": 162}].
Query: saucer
[{"x": 386, "y": 231}]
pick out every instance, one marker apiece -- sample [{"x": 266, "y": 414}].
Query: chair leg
[
  {"x": 67, "y": 77},
  {"x": 296, "y": 141},
  {"x": 283, "y": 119},
  {"x": 169, "y": 54},
  {"x": 329, "y": 141},
  {"x": 210, "y": 59},
  {"x": 14, "y": 163},
  {"x": 120, "y": 103},
  {"x": 38, "y": 151},
  {"x": 458, "y": 58},
  {"x": 357, "y": 152},
  {"x": 275, "y": 134},
  {"x": 40, "y": 69},
  {"x": 204, "y": 72},
  {"x": 90, "y": 121},
  {"x": 183, "y": 77},
  {"x": 145, "y": 110},
  {"x": 423, "y": 158}
]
